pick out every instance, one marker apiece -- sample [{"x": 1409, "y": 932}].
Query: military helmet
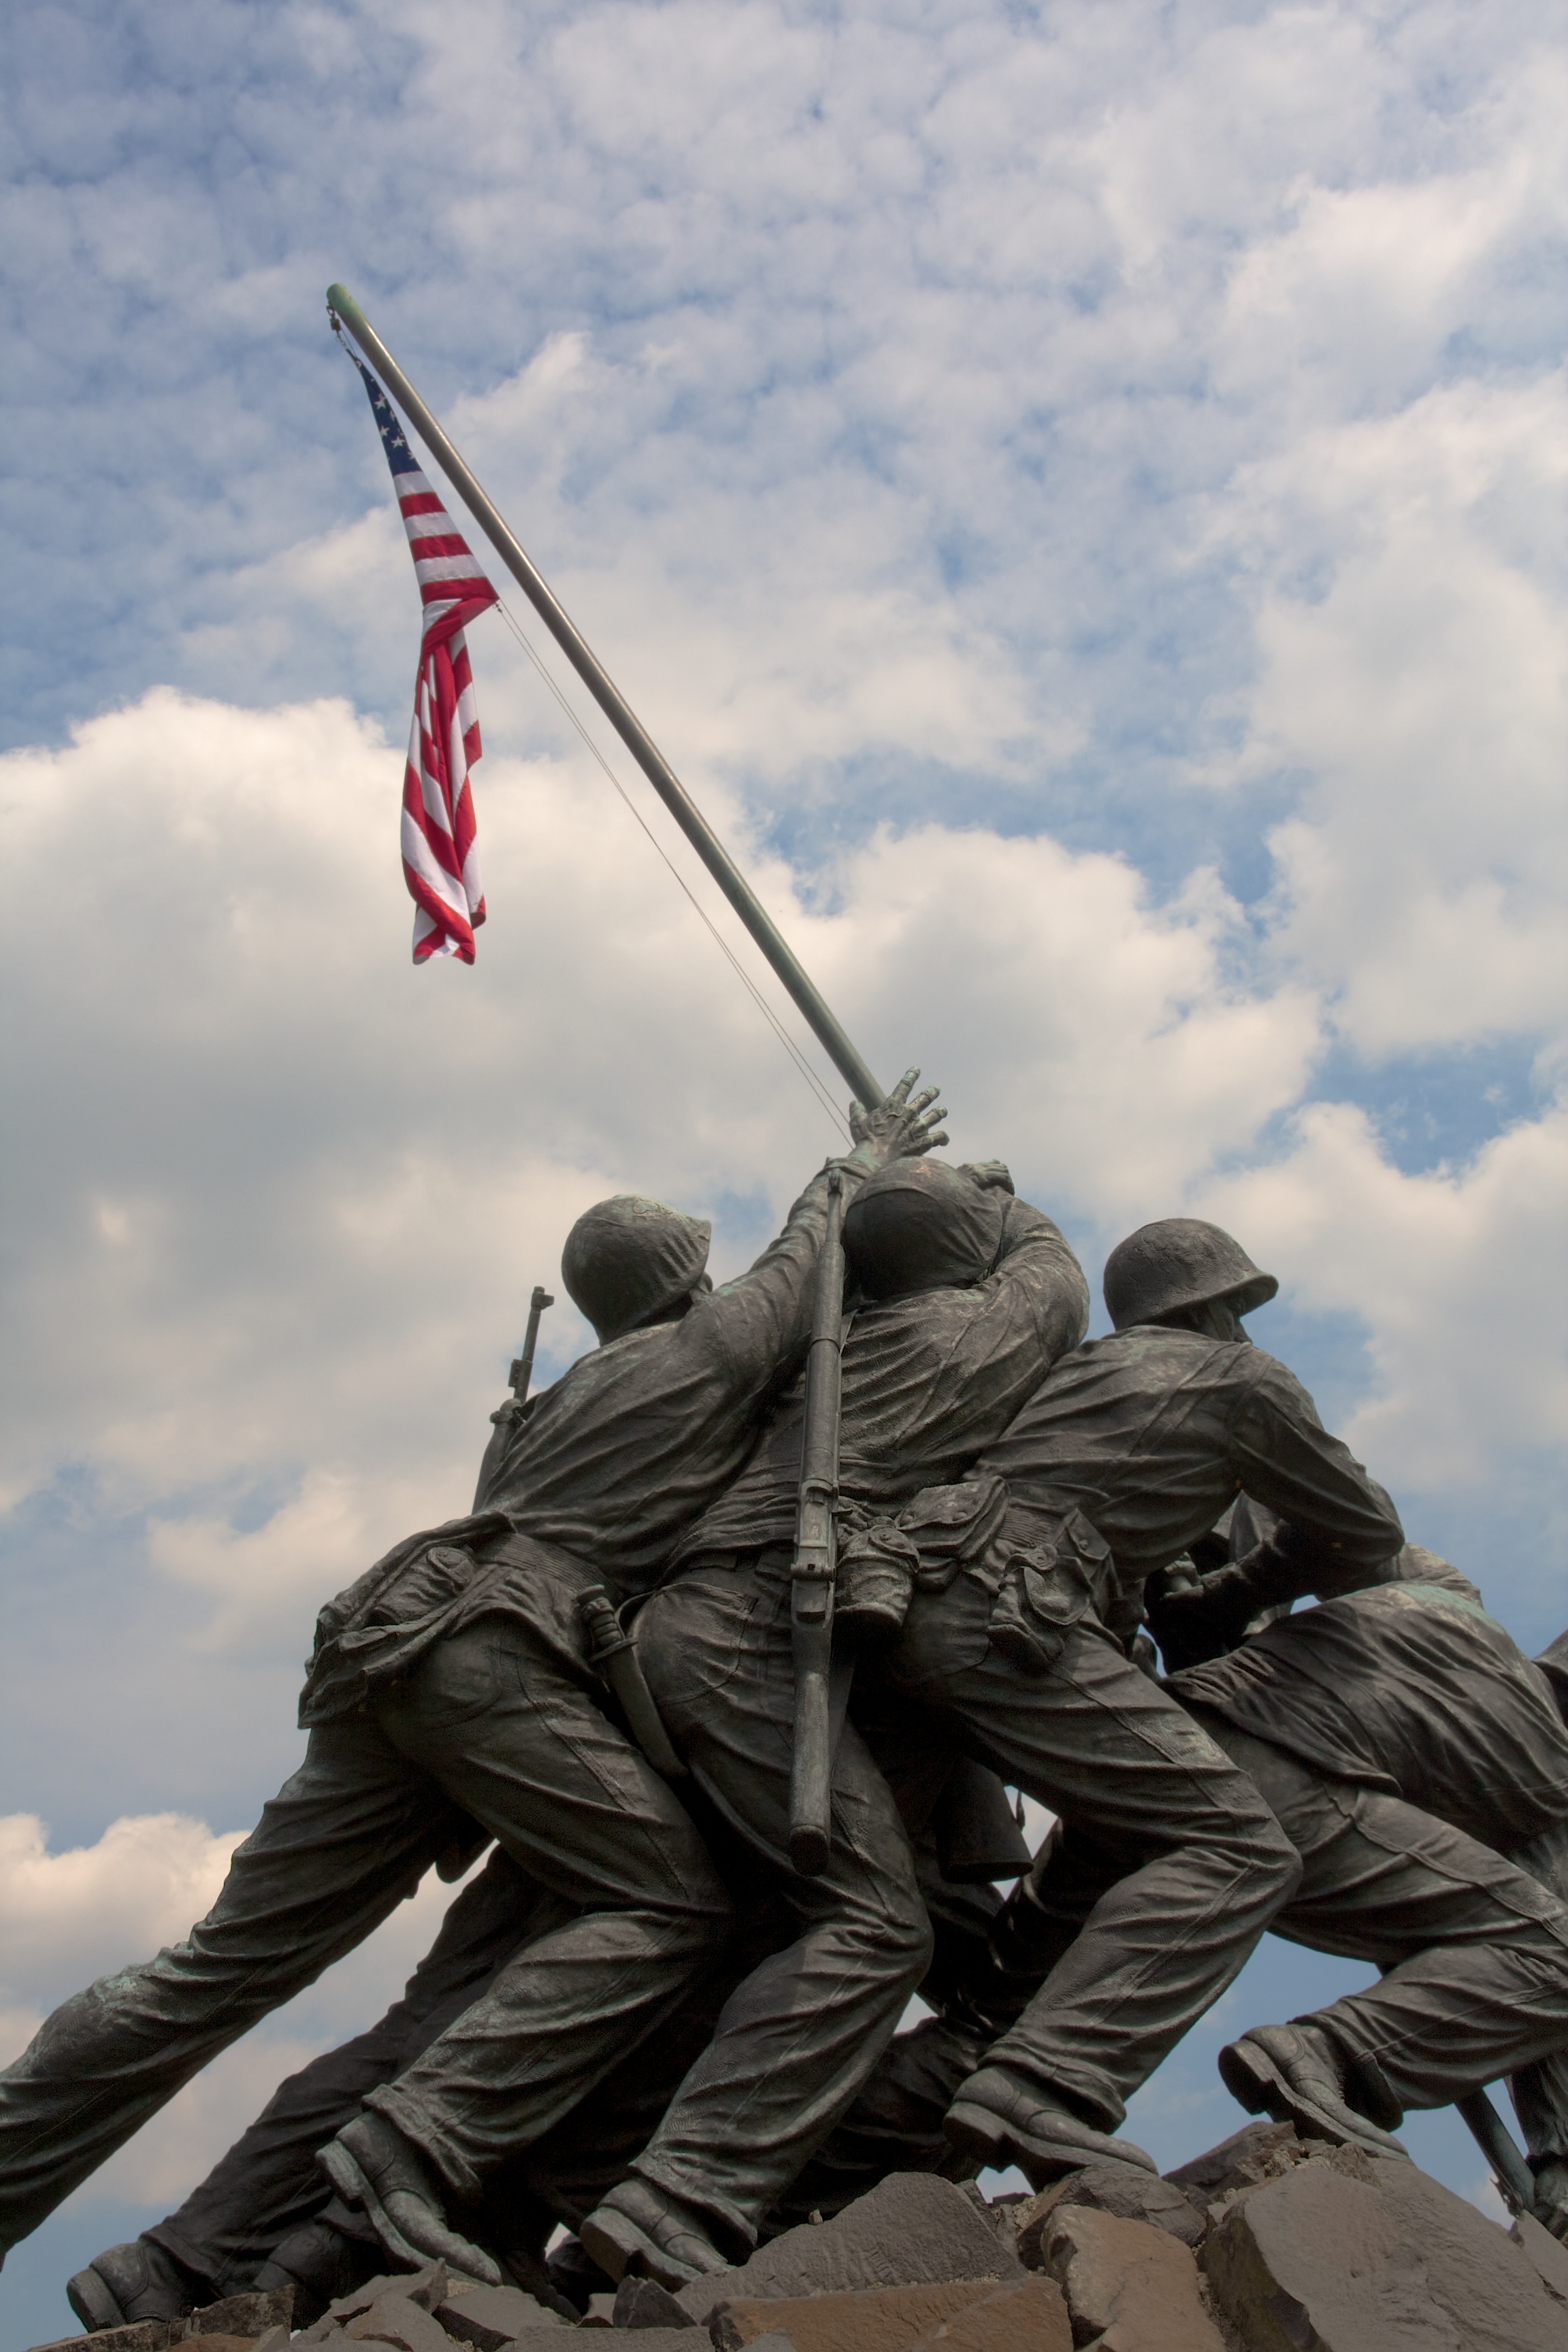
[
  {"x": 1180, "y": 1262},
  {"x": 922, "y": 1226},
  {"x": 628, "y": 1258}
]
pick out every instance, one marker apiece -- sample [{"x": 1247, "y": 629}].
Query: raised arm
[{"x": 763, "y": 1317}]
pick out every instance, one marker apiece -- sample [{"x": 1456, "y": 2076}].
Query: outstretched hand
[{"x": 900, "y": 1127}]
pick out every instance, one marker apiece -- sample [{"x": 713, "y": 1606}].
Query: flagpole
[{"x": 341, "y": 305}]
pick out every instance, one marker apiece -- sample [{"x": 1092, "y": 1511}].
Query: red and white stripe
[{"x": 440, "y": 862}]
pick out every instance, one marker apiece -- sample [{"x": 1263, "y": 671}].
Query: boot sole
[
  {"x": 980, "y": 2131},
  {"x": 94, "y": 2303},
  {"x": 622, "y": 2250},
  {"x": 1261, "y": 2085}
]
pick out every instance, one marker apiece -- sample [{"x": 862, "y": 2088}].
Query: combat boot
[
  {"x": 1002, "y": 2120},
  {"x": 1295, "y": 2073},
  {"x": 321, "y": 2263},
  {"x": 136, "y": 2280},
  {"x": 370, "y": 2165},
  {"x": 642, "y": 2231}
]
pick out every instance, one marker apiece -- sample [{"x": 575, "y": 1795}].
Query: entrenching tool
[{"x": 813, "y": 1570}]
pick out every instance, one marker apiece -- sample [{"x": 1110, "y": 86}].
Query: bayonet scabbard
[{"x": 612, "y": 1654}]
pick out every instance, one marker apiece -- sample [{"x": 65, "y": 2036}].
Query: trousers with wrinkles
[
  {"x": 1207, "y": 1865},
  {"x": 798, "y": 2036},
  {"x": 1474, "y": 1949},
  {"x": 492, "y": 1727}
]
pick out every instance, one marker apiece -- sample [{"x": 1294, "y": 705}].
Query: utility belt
[{"x": 1040, "y": 1587}]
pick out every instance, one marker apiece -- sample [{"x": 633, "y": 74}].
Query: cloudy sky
[{"x": 1073, "y": 487}]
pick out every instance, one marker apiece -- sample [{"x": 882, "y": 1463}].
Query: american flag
[{"x": 440, "y": 864}]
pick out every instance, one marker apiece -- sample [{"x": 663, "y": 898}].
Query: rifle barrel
[
  {"x": 522, "y": 1367},
  {"x": 1516, "y": 2182},
  {"x": 812, "y": 1573},
  {"x": 828, "y": 1030}
]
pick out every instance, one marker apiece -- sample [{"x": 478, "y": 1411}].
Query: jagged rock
[
  {"x": 489, "y": 2317},
  {"x": 912, "y": 2230},
  {"x": 1255, "y": 2153},
  {"x": 242, "y": 2316},
  {"x": 220, "y": 2343},
  {"x": 1477, "y": 2272},
  {"x": 878, "y": 2319},
  {"x": 397, "y": 2320},
  {"x": 1354, "y": 2254},
  {"x": 1118, "y": 2189},
  {"x": 1032, "y": 2317},
  {"x": 140, "y": 2335},
  {"x": 1546, "y": 2255},
  {"x": 543, "y": 2337},
  {"x": 428, "y": 2288},
  {"x": 643, "y": 2302},
  {"x": 249, "y": 2314},
  {"x": 1130, "y": 2287}
]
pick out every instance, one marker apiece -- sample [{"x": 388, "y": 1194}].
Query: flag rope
[
  {"x": 811, "y": 1079},
  {"x": 725, "y": 949}
]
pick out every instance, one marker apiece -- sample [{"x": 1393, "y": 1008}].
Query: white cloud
[
  {"x": 1417, "y": 675},
  {"x": 67, "y": 1917},
  {"x": 1459, "y": 1275},
  {"x": 286, "y": 1195},
  {"x": 75, "y": 1916},
  {"x": 289, "y": 1241}
]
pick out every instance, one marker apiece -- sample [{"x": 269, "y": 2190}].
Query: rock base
[{"x": 1268, "y": 2243}]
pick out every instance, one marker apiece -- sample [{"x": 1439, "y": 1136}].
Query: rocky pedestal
[{"x": 1268, "y": 2243}]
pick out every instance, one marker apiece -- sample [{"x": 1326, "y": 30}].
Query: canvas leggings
[{"x": 492, "y": 1725}]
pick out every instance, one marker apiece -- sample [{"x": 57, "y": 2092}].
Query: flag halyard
[{"x": 440, "y": 862}]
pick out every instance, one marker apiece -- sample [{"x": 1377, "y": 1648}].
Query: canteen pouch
[
  {"x": 883, "y": 1560},
  {"x": 875, "y": 1581},
  {"x": 1046, "y": 1590}
]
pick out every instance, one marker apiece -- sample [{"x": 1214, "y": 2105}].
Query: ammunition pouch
[{"x": 1045, "y": 1590}]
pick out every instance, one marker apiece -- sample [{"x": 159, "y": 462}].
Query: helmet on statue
[
  {"x": 627, "y": 1259},
  {"x": 922, "y": 1226},
  {"x": 1180, "y": 1262}
]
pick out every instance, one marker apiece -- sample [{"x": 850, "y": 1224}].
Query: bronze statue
[{"x": 450, "y": 1687}]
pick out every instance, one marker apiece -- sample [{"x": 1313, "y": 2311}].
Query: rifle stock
[{"x": 814, "y": 1568}]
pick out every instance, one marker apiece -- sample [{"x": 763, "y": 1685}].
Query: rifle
[
  {"x": 521, "y": 1370},
  {"x": 1511, "y": 2172},
  {"x": 813, "y": 1570},
  {"x": 518, "y": 1378}
]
